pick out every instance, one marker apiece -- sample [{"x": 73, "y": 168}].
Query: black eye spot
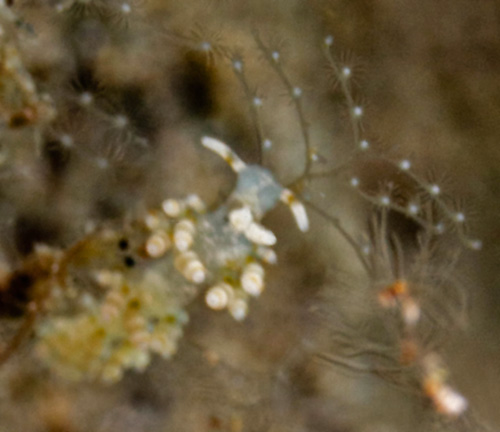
[
  {"x": 129, "y": 262},
  {"x": 123, "y": 244}
]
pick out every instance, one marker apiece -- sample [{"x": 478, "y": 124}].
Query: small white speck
[
  {"x": 238, "y": 65},
  {"x": 267, "y": 144},
  {"x": 405, "y": 165},
  {"x": 439, "y": 228},
  {"x": 357, "y": 111},
  {"x": 120, "y": 121},
  {"x": 364, "y": 145},
  {"x": 476, "y": 244},
  {"x": 434, "y": 189},
  {"x": 275, "y": 55},
  {"x": 257, "y": 101},
  {"x": 125, "y": 8},
  {"x": 346, "y": 72},
  {"x": 329, "y": 40},
  {"x": 102, "y": 163},
  {"x": 354, "y": 182},
  {"x": 385, "y": 200},
  {"x": 459, "y": 217},
  {"x": 413, "y": 209},
  {"x": 66, "y": 140},
  {"x": 297, "y": 92},
  {"x": 205, "y": 46},
  {"x": 86, "y": 98}
]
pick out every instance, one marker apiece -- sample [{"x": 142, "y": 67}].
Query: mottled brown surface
[{"x": 427, "y": 74}]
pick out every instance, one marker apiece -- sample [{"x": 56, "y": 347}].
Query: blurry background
[{"x": 426, "y": 75}]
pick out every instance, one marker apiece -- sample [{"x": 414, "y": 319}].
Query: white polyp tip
[
  {"x": 357, "y": 111},
  {"x": 125, "y": 8},
  {"x": 329, "y": 40},
  {"x": 346, "y": 72},
  {"x": 241, "y": 218},
  {"x": 405, "y": 165},
  {"x": 385, "y": 200},
  {"x": 364, "y": 145},
  {"x": 413, "y": 209},
  {"x": 66, "y": 140},
  {"x": 434, "y": 189},
  {"x": 354, "y": 182},
  {"x": 450, "y": 401},
  {"x": 205, "y": 46},
  {"x": 476, "y": 244},
  {"x": 257, "y": 101},
  {"x": 297, "y": 92},
  {"x": 366, "y": 250},
  {"x": 102, "y": 163},
  {"x": 86, "y": 98},
  {"x": 439, "y": 228},
  {"x": 275, "y": 55},
  {"x": 237, "y": 65},
  {"x": 267, "y": 144},
  {"x": 120, "y": 121}
]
